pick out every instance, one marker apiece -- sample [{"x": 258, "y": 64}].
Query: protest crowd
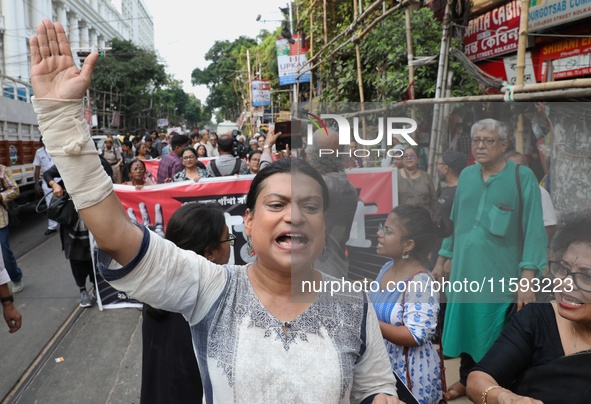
[{"x": 217, "y": 331}]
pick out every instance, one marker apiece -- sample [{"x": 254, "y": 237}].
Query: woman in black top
[
  {"x": 169, "y": 369},
  {"x": 544, "y": 353}
]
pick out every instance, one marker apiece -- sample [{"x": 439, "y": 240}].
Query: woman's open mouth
[{"x": 292, "y": 241}]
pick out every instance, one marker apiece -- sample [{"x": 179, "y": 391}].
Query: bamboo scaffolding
[
  {"x": 551, "y": 85},
  {"x": 359, "y": 72},
  {"x": 524, "y": 97},
  {"x": 358, "y": 36}
]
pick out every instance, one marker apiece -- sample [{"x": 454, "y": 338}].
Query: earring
[
  {"x": 249, "y": 248},
  {"x": 405, "y": 255}
]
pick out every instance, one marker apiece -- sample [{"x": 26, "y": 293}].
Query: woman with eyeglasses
[
  {"x": 138, "y": 175},
  {"x": 169, "y": 369},
  {"x": 194, "y": 169},
  {"x": 406, "y": 306},
  {"x": 415, "y": 186},
  {"x": 544, "y": 353}
]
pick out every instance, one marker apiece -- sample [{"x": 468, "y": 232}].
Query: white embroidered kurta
[{"x": 331, "y": 353}]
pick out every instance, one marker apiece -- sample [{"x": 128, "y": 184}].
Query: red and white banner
[
  {"x": 154, "y": 205},
  {"x": 570, "y": 58},
  {"x": 493, "y": 33}
]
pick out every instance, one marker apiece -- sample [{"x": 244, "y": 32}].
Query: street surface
[{"x": 101, "y": 351}]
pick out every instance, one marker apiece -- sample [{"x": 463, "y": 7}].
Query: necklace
[{"x": 574, "y": 337}]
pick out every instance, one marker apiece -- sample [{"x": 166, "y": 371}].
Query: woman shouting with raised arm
[{"x": 257, "y": 338}]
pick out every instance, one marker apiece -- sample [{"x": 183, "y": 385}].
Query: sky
[{"x": 184, "y": 31}]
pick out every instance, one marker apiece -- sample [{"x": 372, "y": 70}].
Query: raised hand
[{"x": 53, "y": 72}]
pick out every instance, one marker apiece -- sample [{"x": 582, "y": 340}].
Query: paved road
[{"x": 101, "y": 350}]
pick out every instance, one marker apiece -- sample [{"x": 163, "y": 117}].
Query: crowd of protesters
[
  {"x": 253, "y": 341},
  {"x": 412, "y": 236}
]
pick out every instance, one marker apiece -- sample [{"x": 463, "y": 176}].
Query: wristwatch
[{"x": 7, "y": 299}]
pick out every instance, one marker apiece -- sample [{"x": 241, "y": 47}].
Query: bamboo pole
[
  {"x": 360, "y": 35},
  {"x": 359, "y": 73},
  {"x": 311, "y": 49},
  {"x": 249, "y": 90},
  {"x": 353, "y": 26},
  {"x": 440, "y": 85},
  {"x": 520, "y": 71},
  {"x": 522, "y": 97},
  {"x": 550, "y": 85},
  {"x": 325, "y": 29},
  {"x": 409, "y": 54},
  {"x": 522, "y": 43}
]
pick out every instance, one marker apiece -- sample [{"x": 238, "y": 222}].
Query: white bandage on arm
[{"x": 67, "y": 140}]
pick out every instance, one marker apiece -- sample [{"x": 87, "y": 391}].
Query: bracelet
[
  {"x": 266, "y": 147},
  {"x": 8, "y": 298},
  {"x": 486, "y": 391}
]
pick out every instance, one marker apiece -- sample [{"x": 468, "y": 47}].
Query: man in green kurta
[{"x": 487, "y": 247}]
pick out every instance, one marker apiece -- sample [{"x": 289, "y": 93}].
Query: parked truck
[{"x": 19, "y": 135}]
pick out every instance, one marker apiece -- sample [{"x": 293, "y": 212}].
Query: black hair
[
  {"x": 136, "y": 160},
  {"x": 200, "y": 146},
  {"x": 226, "y": 143},
  {"x": 178, "y": 140},
  {"x": 284, "y": 166},
  {"x": 137, "y": 149},
  {"x": 572, "y": 228},
  {"x": 196, "y": 227},
  {"x": 253, "y": 152},
  {"x": 195, "y": 136},
  {"x": 416, "y": 149},
  {"x": 213, "y": 134},
  {"x": 128, "y": 144},
  {"x": 192, "y": 150},
  {"x": 419, "y": 227},
  {"x": 261, "y": 136}
]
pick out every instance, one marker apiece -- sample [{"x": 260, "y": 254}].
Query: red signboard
[
  {"x": 570, "y": 58},
  {"x": 493, "y": 33}
]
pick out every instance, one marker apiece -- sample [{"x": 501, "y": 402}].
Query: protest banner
[{"x": 154, "y": 205}]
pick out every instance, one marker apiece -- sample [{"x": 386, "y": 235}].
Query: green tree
[
  {"x": 126, "y": 79},
  {"x": 383, "y": 55},
  {"x": 226, "y": 77}
]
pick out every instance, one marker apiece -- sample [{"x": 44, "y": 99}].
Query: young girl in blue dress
[{"x": 406, "y": 305}]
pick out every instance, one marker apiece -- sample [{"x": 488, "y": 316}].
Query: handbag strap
[{"x": 520, "y": 210}]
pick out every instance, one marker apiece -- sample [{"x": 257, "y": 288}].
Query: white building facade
[{"x": 90, "y": 25}]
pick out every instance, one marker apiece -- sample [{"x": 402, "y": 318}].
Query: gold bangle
[{"x": 487, "y": 390}]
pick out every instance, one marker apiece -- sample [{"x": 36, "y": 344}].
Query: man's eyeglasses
[
  {"x": 581, "y": 279},
  {"x": 487, "y": 141},
  {"x": 191, "y": 157},
  {"x": 230, "y": 239}
]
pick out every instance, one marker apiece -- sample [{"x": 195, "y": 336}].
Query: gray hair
[{"x": 492, "y": 125}]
